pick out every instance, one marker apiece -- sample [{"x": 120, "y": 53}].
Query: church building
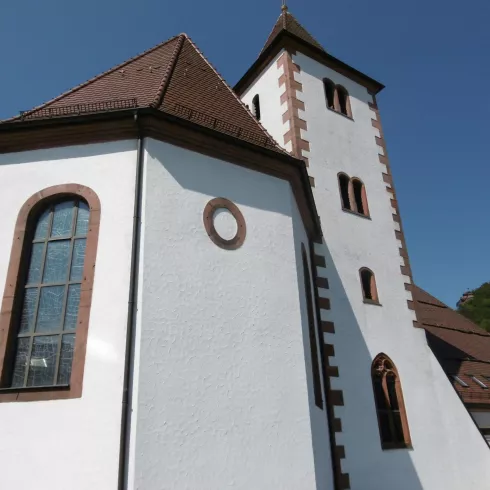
[{"x": 209, "y": 287}]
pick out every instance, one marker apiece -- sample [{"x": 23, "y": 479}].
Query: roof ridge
[
  {"x": 483, "y": 333},
  {"x": 168, "y": 72},
  {"x": 270, "y": 33},
  {"x": 236, "y": 97},
  {"x": 288, "y": 23},
  {"x": 284, "y": 14},
  {"x": 93, "y": 79},
  {"x": 303, "y": 27}
]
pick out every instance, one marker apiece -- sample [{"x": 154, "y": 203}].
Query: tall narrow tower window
[
  {"x": 256, "y": 107},
  {"x": 329, "y": 87},
  {"x": 344, "y": 103},
  {"x": 337, "y": 97},
  {"x": 315, "y": 365},
  {"x": 390, "y": 408},
  {"x": 360, "y": 197},
  {"x": 353, "y": 194},
  {"x": 368, "y": 283},
  {"x": 344, "y": 182}
]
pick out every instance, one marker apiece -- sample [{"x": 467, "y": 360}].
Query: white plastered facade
[
  {"x": 74, "y": 443},
  {"x": 221, "y": 383}
]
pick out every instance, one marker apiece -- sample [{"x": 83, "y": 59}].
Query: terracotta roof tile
[
  {"x": 473, "y": 393},
  {"x": 173, "y": 77},
  {"x": 287, "y": 22},
  {"x": 461, "y": 347},
  {"x": 196, "y": 90},
  {"x": 432, "y": 312}
]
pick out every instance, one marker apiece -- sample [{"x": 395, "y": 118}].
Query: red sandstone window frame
[
  {"x": 337, "y": 98},
  {"x": 372, "y": 288},
  {"x": 381, "y": 367},
  {"x": 348, "y": 192},
  {"x": 21, "y": 245}
]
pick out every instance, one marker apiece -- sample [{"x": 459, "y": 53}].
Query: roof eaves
[
  {"x": 266, "y": 133},
  {"x": 89, "y": 81}
]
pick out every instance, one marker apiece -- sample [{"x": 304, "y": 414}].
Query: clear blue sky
[{"x": 433, "y": 56}]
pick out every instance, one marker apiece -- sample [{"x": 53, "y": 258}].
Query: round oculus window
[{"x": 224, "y": 223}]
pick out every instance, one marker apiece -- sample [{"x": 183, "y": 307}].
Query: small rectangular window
[
  {"x": 478, "y": 382},
  {"x": 459, "y": 380}
]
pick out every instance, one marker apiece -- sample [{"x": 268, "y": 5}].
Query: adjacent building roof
[
  {"x": 287, "y": 22},
  {"x": 462, "y": 348},
  {"x": 173, "y": 77}
]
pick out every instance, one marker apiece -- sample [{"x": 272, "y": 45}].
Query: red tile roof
[
  {"x": 173, "y": 77},
  {"x": 462, "y": 348},
  {"x": 287, "y": 22}
]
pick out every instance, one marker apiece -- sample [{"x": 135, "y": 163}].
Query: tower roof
[
  {"x": 288, "y": 33},
  {"x": 287, "y": 22},
  {"x": 173, "y": 77}
]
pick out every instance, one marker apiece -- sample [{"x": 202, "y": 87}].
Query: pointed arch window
[
  {"x": 337, "y": 98},
  {"x": 315, "y": 365},
  {"x": 47, "y": 297},
  {"x": 353, "y": 195},
  {"x": 368, "y": 284},
  {"x": 256, "y": 106},
  {"x": 390, "y": 408}
]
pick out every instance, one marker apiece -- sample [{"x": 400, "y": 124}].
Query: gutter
[{"x": 132, "y": 313}]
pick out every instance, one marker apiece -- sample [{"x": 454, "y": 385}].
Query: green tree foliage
[{"x": 477, "y": 309}]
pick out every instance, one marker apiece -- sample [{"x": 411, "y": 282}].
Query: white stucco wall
[
  {"x": 222, "y": 389},
  {"x": 74, "y": 444},
  {"x": 271, "y": 111},
  {"x": 438, "y": 421},
  {"x": 318, "y": 417}
]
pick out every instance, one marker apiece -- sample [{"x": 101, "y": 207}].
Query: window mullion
[
  {"x": 28, "y": 360},
  {"x": 390, "y": 410},
  {"x": 352, "y": 197},
  {"x": 65, "y": 296},
  {"x": 40, "y": 334},
  {"x": 36, "y": 308}
]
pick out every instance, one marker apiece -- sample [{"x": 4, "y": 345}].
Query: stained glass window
[{"x": 51, "y": 297}]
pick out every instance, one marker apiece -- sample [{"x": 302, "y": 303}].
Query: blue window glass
[{"x": 48, "y": 320}]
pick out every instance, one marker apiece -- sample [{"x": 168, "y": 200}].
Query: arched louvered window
[
  {"x": 360, "y": 197},
  {"x": 368, "y": 284},
  {"x": 344, "y": 102},
  {"x": 315, "y": 365},
  {"x": 353, "y": 194},
  {"x": 256, "y": 107},
  {"x": 329, "y": 87},
  {"x": 344, "y": 183},
  {"x": 337, "y": 98},
  {"x": 390, "y": 407},
  {"x": 52, "y": 262}
]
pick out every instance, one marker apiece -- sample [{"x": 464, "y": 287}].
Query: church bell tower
[{"x": 325, "y": 112}]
